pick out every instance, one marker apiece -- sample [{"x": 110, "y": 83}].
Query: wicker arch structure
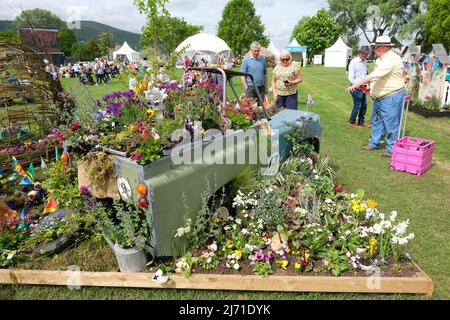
[{"x": 31, "y": 102}]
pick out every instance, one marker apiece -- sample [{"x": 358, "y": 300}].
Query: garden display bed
[
  {"x": 419, "y": 283},
  {"x": 428, "y": 113}
]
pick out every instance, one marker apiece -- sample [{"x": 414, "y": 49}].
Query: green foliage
[
  {"x": 318, "y": 32},
  {"x": 433, "y": 104},
  {"x": 437, "y": 23},
  {"x": 128, "y": 224},
  {"x": 298, "y": 135},
  {"x": 354, "y": 16},
  {"x": 39, "y": 18},
  {"x": 10, "y": 35},
  {"x": 66, "y": 40},
  {"x": 62, "y": 185},
  {"x": 269, "y": 208},
  {"x": 106, "y": 42},
  {"x": 239, "y": 120},
  {"x": 150, "y": 151},
  {"x": 99, "y": 168},
  {"x": 264, "y": 269},
  {"x": 91, "y": 50},
  {"x": 338, "y": 261},
  {"x": 246, "y": 181},
  {"x": 240, "y": 26},
  {"x": 162, "y": 31}
]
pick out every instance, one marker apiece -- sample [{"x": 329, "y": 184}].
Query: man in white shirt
[{"x": 357, "y": 71}]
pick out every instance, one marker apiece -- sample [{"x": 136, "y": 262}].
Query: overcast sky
[{"x": 278, "y": 16}]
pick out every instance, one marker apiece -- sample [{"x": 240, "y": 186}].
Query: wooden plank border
[{"x": 419, "y": 284}]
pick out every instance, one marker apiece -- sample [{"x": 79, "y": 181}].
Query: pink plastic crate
[{"x": 412, "y": 155}]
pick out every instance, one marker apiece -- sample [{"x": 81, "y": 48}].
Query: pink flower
[{"x": 136, "y": 155}]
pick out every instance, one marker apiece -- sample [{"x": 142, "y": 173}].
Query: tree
[
  {"x": 66, "y": 40},
  {"x": 437, "y": 23},
  {"x": 162, "y": 31},
  {"x": 106, "y": 42},
  {"x": 373, "y": 17},
  {"x": 91, "y": 50},
  {"x": 240, "y": 26},
  {"x": 297, "y": 27},
  {"x": 317, "y": 32},
  {"x": 78, "y": 50},
  {"x": 39, "y": 18}
]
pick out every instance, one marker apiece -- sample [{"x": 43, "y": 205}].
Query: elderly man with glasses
[
  {"x": 387, "y": 87},
  {"x": 256, "y": 65}
]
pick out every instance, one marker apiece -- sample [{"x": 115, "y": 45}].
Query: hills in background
[{"x": 91, "y": 29}]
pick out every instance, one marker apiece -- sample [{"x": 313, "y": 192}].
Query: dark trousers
[
  {"x": 251, "y": 93},
  {"x": 288, "y": 102},
  {"x": 359, "y": 107}
]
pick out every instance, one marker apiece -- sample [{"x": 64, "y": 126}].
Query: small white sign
[
  {"x": 124, "y": 188},
  {"x": 318, "y": 59}
]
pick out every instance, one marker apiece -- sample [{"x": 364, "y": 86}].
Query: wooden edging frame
[{"x": 418, "y": 284}]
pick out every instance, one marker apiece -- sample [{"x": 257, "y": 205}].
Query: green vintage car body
[{"x": 175, "y": 189}]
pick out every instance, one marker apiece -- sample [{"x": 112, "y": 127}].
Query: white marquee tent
[
  {"x": 272, "y": 48},
  {"x": 338, "y": 54},
  {"x": 204, "y": 45},
  {"x": 128, "y": 52}
]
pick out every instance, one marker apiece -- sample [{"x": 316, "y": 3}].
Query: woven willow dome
[{"x": 31, "y": 101}]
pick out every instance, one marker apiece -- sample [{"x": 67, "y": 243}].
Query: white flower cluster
[
  {"x": 233, "y": 261},
  {"x": 243, "y": 201},
  {"x": 184, "y": 230},
  {"x": 388, "y": 225},
  {"x": 182, "y": 265},
  {"x": 212, "y": 248}
]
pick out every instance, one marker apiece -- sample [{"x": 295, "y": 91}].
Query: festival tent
[
  {"x": 126, "y": 51},
  {"x": 204, "y": 45},
  {"x": 272, "y": 48},
  {"x": 338, "y": 54},
  {"x": 297, "y": 51}
]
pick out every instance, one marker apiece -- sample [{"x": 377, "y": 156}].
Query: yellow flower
[
  {"x": 298, "y": 265},
  {"x": 354, "y": 202},
  {"x": 217, "y": 220},
  {"x": 288, "y": 250},
  {"x": 372, "y": 243},
  {"x": 283, "y": 264},
  {"x": 132, "y": 126},
  {"x": 326, "y": 263},
  {"x": 372, "y": 204},
  {"x": 306, "y": 256},
  {"x": 238, "y": 253},
  {"x": 202, "y": 131},
  {"x": 358, "y": 208},
  {"x": 150, "y": 113},
  {"x": 230, "y": 246}
]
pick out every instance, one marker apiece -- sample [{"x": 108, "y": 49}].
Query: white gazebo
[
  {"x": 128, "y": 52},
  {"x": 204, "y": 45},
  {"x": 338, "y": 54},
  {"x": 272, "y": 48}
]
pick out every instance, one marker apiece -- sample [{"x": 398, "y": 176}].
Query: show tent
[
  {"x": 126, "y": 52},
  {"x": 298, "y": 52},
  {"x": 204, "y": 45},
  {"x": 338, "y": 54},
  {"x": 274, "y": 50}
]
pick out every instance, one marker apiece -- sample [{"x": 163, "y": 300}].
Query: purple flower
[
  {"x": 100, "y": 115},
  {"x": 259, "y": 255},
  {"x": 84, "y": 191}
]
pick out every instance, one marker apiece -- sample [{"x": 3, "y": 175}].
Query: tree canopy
[
  {"x": 39, "y": 18},
  {"x": 437, "y": 23},
  {"x": 66, "y": 40},
  {"x": 162, "y": 31},
  {"x": 373, "y": 17},
  {"x": 240, "y": 26},
  {"x": 106, "y": 42},
  {"x": 317, "y": 32}
]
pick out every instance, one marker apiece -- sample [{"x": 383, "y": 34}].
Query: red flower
[{"x": 75, "y": 126}]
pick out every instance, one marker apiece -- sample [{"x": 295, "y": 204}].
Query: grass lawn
[{"x": 424, "y": 200}]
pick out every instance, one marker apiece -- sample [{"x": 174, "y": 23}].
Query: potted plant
[{"x": 127, "y": 228}]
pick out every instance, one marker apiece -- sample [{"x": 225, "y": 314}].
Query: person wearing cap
[
  {"x": 357, "y": 71},
  {"x": 387, "y": 89}
]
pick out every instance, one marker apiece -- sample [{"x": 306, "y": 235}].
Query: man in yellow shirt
[{"x": 387, "y": 87}]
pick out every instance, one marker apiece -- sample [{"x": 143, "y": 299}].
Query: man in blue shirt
[{"x": 257, "y": 67}]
